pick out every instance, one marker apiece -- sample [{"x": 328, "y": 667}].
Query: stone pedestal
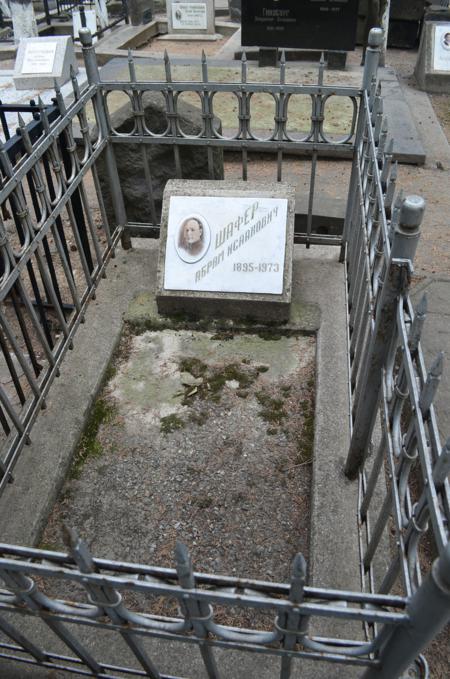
[
  {"x": 432, "y": 70},
  {"x": 191, "y": 20}
]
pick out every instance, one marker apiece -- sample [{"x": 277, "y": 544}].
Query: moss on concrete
[{"x": 90, "y": 446}]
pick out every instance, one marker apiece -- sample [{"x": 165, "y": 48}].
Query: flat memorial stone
[
  {"x": 41, "y": 61},
  {"x": 226, "y": 249}
]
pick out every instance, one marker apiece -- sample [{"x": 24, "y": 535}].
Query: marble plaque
[
  {"x": 226, "y": 249},
  {"x": 189, "y": 16},
  {"x": 441, "y": 52},
  {"x": 231, "y": 244},
  {"x": 39, "y": 57}
]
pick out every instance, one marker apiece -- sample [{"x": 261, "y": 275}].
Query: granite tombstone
[{"x": 305, "y": 24}]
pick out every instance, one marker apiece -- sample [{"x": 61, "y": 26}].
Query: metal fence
[{"x": 395, "y": 450}]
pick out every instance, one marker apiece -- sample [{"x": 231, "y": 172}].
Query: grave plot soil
[
  {"x": 203, "y": 439},
  {"x": 191, "y": 48}
]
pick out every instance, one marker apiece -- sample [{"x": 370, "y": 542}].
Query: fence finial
[
  {"x": 372, "y": 57},
  {"x": 417, "y": 324},
  {"x": 298, "y": 578},
  {"x": 407, "y": 231},
  {"x": 431, "y": 385},
  {"x": 184, "y": 565},
  {"x": 85, "y": 36},
  {"x": 442, "y": 467}
]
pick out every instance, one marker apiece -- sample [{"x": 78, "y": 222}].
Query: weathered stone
[
  {"x": 235, "y": 10},
  {"x": 194, "y": 159}
]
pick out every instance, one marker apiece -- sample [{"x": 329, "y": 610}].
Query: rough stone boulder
[{"x": 194, "y": 159}]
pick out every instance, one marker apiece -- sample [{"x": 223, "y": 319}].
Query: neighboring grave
[
  {"x": 433, "y": 61},
  {"x": 85, "y": 19},
  {"x": 41, "y": 61},
  {"x": 190, "y": 20},
  {"x": 226, "y": 249},
  {"x": 305, "y": 24},
  {"x": 23, "y": 19}
]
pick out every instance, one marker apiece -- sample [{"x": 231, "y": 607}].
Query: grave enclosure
[{"x": 377, "y": 630}]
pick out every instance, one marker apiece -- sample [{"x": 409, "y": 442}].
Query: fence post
[
  {"x": 396, "y": 283},
  {"x": 372, "y": 58},
  {"x": 93, "y": 76},
  {"x": 429, "y": 611}
]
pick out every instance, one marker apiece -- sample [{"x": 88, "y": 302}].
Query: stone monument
[
  {"x": 41, "y": 61},
  {"x": 226, "y": 249},
  {"x": 190, "y": 20},
  {"x": 432, "y": 69},
  {"x": 311, "y": 24}
]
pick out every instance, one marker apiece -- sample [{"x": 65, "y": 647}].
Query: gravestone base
[
  {"x": 431, "y": 75},
  {"x": 191, "y": 36},
  {"x": 268, "y": 56},
  {"x": 336, "y": 61},
  {"x": 224, "y": 256}
]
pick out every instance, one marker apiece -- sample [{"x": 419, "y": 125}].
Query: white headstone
[
  {"x": 191, "y": 19},
  {"x": 41, "y": 61},
  {"x": 441, "y": 47},
  {"x": 226, "y": 249},
  {"x": 90, "y": 18},
  {"x": 432, "y": 69}
]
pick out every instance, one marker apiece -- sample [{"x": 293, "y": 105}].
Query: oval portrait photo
[
  {"x": 193, "y": 238},
  {"x": 446, "y": 40}
]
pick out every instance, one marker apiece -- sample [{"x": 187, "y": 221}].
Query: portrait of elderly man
[
  {"x": 191, "y": 236},
  {"x": 446, "y": 40}
]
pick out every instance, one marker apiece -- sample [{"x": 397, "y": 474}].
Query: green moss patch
[
  {"x": 215, "y": 378},
  {"x": 171, "y": 423},
  {"x": 272, "y": 408},
  {"x": 90, "y": 446}
]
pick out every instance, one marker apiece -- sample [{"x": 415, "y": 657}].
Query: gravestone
[
  {"x": 226, "y": 249},
  {"x": 190, "y": 20},
  {"x": 432, "y": 69},
  {"x": 304, "y": 24},
  {"x": 85, "y": 19},
  {"x": 41, "y": 61}
]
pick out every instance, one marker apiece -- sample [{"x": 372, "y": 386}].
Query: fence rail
[{"x": 395, "y": 453}]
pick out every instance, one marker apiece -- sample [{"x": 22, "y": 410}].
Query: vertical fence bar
[
  {"x": 395, "y": 284},
  {"x": 429, "y": 611},
  {"x": 93, "y": 76}
]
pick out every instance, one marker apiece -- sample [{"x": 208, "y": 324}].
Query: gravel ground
[{"x": 203, "y": 439}]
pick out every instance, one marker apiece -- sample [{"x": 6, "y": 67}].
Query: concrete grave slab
[
  {"x": 226, "y": 249},
  {"x": 41, "y": 61}
]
